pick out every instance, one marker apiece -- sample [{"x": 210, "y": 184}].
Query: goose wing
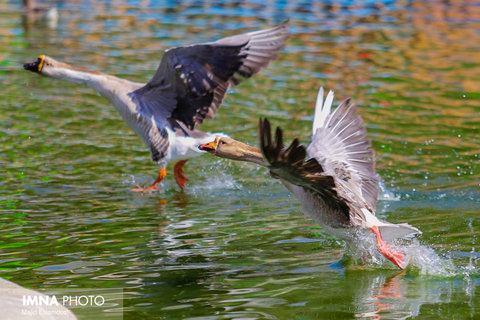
[
  {"x": 340, "y": 145},
  {"x": 290, "y": 164},
  {"x": 191, "y": 81}
]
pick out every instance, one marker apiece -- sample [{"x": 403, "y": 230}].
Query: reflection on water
[
  {"x": 397, "y": 297},
  {"x": 234, "y": 244}
]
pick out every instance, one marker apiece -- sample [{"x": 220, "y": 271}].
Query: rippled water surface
[{"x": 235, "y": 244}]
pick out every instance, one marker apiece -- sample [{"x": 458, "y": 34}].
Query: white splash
[
  {"x": 426, "y": 261},
  {"x": 422, "y": 260},
  {"x": 384, "y": 193}
]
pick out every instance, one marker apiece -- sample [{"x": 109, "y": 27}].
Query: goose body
[
  {"x": 187, "y": 88},
  {"x": 33, "y": 11},
  {"x": 333, "y": 178}
]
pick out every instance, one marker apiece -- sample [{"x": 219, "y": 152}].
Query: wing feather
[
  {"x": 340, "y": 145},
  {"x": 191, "y": 81},
  {"x": 290, "y": 164}
]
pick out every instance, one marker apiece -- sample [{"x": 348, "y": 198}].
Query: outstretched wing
[
  {"x": 290, "y": 164},
  {"x": 191, "y": 81},
  {"x": 340, "y": 145}
]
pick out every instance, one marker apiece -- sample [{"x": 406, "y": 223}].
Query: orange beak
[
  {"x": 210, "y": 146},
  {"x": 35, "y": 66}
]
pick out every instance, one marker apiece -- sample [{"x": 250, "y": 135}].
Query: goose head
[
  {"x": 42, "y": 63},
  {"x": 229, "y": 148}
]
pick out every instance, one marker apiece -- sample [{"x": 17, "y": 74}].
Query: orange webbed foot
[
  {"x": 151, "y": 188},
  {"x": 161, "y": 174},
  {"x": 180, "y": 177},
  {"x": 388, "y": 252},
  {"x": 393, "y": 255}
]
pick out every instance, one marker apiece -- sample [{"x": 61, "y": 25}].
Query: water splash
[
  {"x": 384, "y": 193},
  {"x": 425, "y": 261},
  {"x": 219, "y": 182},
  {"x": 222, "y": 182},
  {"x": 422, "y": 260},
  {"x": 361, "y": 252}
]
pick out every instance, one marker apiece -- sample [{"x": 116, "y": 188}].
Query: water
[{"x": 235, "y": 244}]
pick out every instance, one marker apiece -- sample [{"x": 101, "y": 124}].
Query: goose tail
[
  {"x": 392, "y": 231},
  {"x": 389, "y": 231},
  {"x": 322, "y": 109}
]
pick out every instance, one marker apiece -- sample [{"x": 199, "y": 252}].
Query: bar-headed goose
[
  {"x": 188, "y": 86},
  {"x": 336, "y": 186}
]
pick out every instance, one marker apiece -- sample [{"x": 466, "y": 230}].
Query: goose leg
[
  {"x": 391, "y": 254},
  {"x": 180, "y": 177},
  {"x": 161, "y": 174}
]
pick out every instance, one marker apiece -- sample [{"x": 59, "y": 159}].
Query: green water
[{"x": 235, "y": 244}]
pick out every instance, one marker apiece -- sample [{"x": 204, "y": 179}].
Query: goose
[
  {"x": 187, "y": 88},
  {"x": 337, "y": 184},
  {"x": 33, "y": 11}
]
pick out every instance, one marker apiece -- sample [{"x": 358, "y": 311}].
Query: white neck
[{"x": 105, "y": 84}]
